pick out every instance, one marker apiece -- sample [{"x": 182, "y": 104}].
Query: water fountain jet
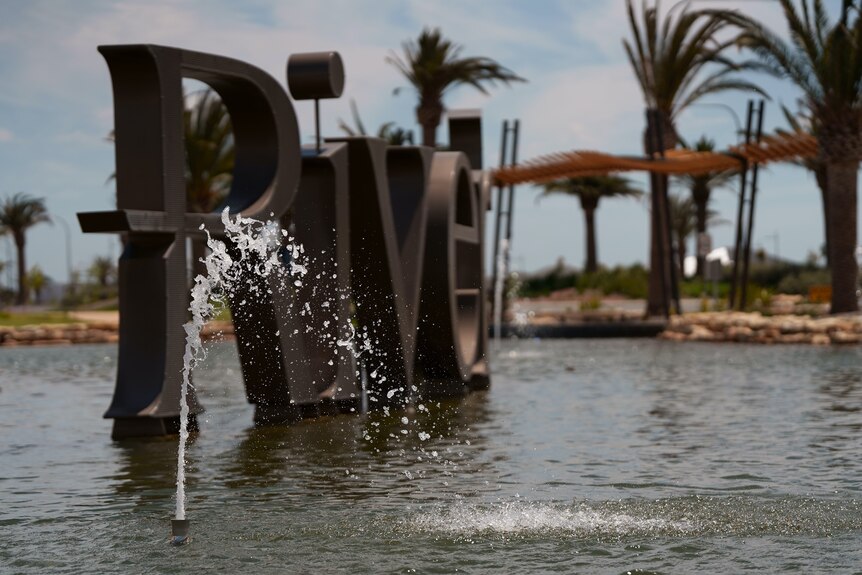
[{"x": 180, "y": 532}]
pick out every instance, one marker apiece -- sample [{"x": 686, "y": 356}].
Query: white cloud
[
  {"x": 581, "y": 93},
  {"x": 591, "y": 107}
]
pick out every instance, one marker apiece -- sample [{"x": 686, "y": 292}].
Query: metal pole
[
  {"x": 10, "y": 281},
  {"x": 745, "y": 265},
  {"x": 514, "y": 161},
  {"x": 317, "y": 123},
  {"x": 67, "y": 232},
  {"x": 498, "y": 216},
  {"x": 740, "y": 212},
  {"x": 510, "y": 208}
]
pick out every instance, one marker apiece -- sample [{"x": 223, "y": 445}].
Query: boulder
[
  {"x": 739, "y": 333},
  {"x": 820, "y": 339},
  {"x": 844, "y": 337}
]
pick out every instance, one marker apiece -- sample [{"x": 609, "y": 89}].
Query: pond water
[{"x": 586, "y": 456}]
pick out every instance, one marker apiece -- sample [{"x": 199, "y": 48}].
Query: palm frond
[{"x": 669, "y": 57}]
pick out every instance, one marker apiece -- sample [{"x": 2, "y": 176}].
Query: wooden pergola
[
  {"x": 762, "y": 149},
  {"x": 780, "y": 147}
]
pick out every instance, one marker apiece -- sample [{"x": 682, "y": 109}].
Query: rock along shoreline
[
  {"x": 84, "y": 332},
  {"x": 753, "y": 327},
  {"x": 736, "y": 327}
]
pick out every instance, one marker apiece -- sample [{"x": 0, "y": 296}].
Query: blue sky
[{"x": 56, "y": 108}]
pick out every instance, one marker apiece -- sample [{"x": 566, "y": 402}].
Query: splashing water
[
  {"x": 258, "y": 246},
  {"x": 257, "y": 250},
  {"x": 521, "y": 518}
]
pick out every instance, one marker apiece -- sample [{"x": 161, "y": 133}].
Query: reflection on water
[
  {"x": 342, "y": 456},
  {"x": 596, "y": 456}
]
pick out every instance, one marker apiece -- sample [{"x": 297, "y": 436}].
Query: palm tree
[
  {"x": 103, "y": 272},
  {"x": 209, "y": 152},
  {"x": 804, "y": 123},
  {"x": 209, "y": 146},
  {"x": 18, "y": 213},
  {"x": 683, "y": 222},
  {"x": 36, "y": 281},
  {"x": 589, "y": 190},
  {"x": 825, "y": 62},
  {"x": 676, "y": 62},
  {"x": 701, "y": 186},
  {"x": 394, "y": 135},
  {"x": 432, "y": 64},
  {"x": 670, "y": 57}
]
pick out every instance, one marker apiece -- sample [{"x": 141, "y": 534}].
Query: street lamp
[
  {"x": 68, "y": 233},
  {"x": 774, "y": 238},
  {"x": 740, "y": 134},
  {"x": 10, "y": 282}
]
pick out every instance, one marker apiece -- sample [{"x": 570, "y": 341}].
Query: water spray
[{"x": 261, "y": 243}]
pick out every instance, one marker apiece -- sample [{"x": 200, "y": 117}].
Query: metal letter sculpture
[{"x": 399, "y": 231}]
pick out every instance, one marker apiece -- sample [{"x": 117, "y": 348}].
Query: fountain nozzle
[{"x": 179, "y": 531}]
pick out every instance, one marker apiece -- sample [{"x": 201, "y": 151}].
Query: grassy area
[
  {"x": 222, "y": 314},
  {"x": 19, "y": 319}
]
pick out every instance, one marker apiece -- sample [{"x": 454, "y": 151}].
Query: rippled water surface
[{"x": 586, "y": 456}]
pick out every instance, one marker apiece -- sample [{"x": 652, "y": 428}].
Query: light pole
[
  {"x": 774, "y": 238},
  {"x": 68, "y": 233},
  {"x": 9, "y": 279},
  {"x": 740, "y": 133}
]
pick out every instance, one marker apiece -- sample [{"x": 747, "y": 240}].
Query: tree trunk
[
  {"x": 700, "y": 196},
  {"x": 428, "y": 114},
  {"x": 822, "y": 183},
  {"x": 680, "y": 251},
  {"x": 21, "y": 298},
  {"x": 655, "y": 287},
  {"x": 842, "y": 184},
  {"x": 658, "y": 264},
  {"x": 591, "y": 265}
]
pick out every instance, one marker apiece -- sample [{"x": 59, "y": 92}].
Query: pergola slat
[{"x": 779, "y": 147}]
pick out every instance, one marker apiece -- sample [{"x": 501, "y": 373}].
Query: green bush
[
  {"x": 764, "y": 279},
  {"x": 800, "y": 282},
  {"x": 631, "y": 281}
]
